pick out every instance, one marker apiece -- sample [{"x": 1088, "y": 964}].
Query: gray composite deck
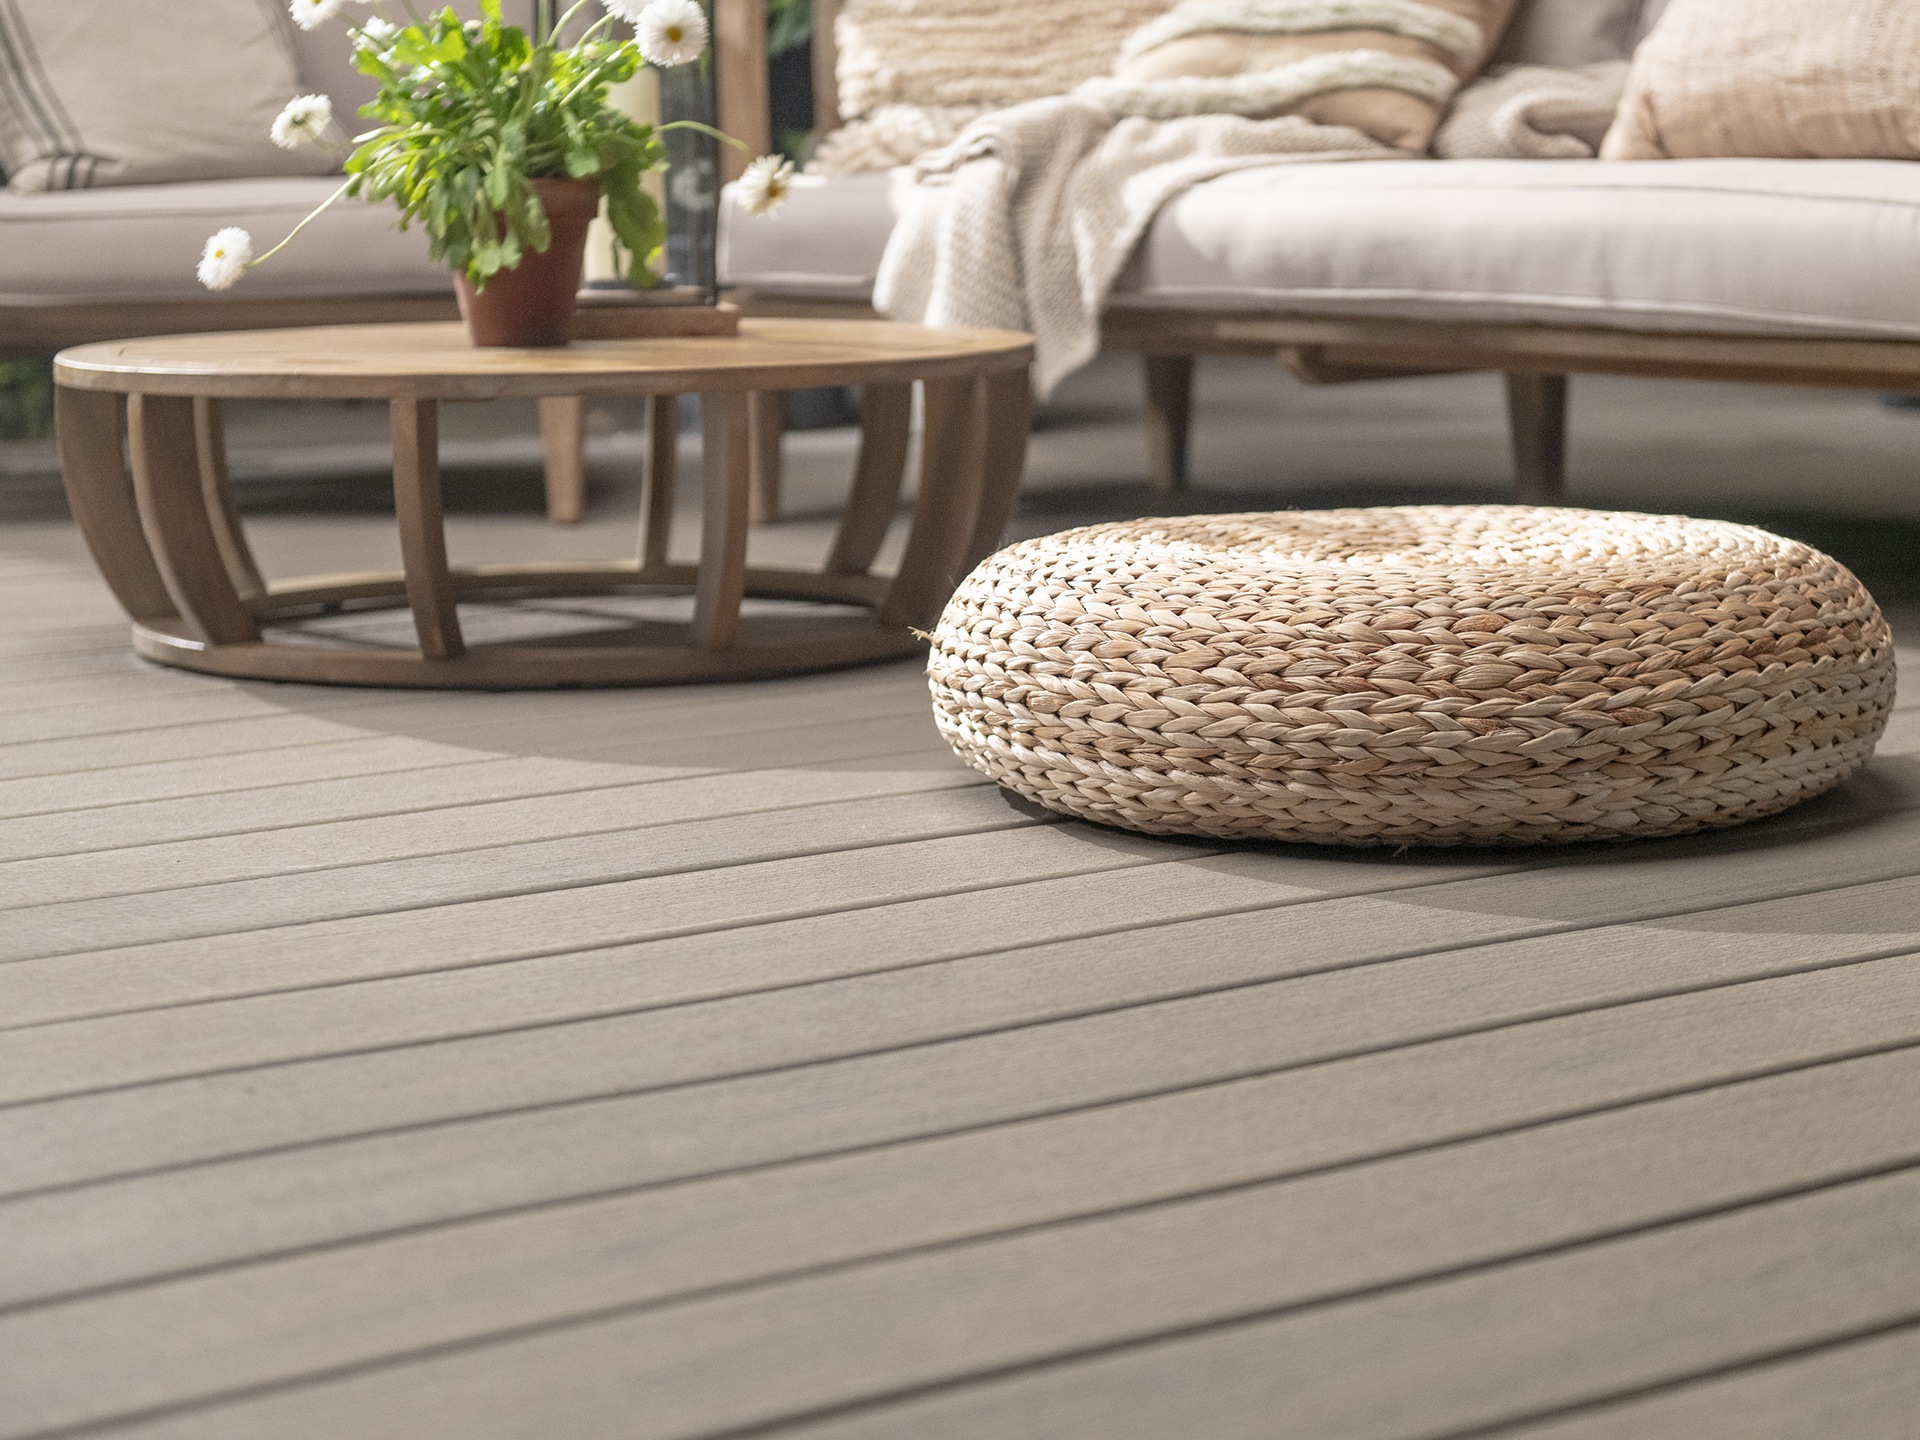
[{"x": 728, "y": 1060}]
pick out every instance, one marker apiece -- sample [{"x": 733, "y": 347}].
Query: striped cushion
[
  {"x": 107, "y": 92},
  {"x": 1388, "y": 68}
]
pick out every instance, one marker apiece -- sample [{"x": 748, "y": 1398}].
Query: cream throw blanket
[{"x": 1026, "y": 221}]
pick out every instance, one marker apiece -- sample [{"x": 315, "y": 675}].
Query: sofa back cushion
[
  {"x": 101, "y": 92},
  {"x": 1387, "y": 68},
  {"x": 1779, "y": 78}
]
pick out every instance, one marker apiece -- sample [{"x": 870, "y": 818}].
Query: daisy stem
[
  {"x": 561, "y": 24},
  {"x": 319, "y": 210},
  {"x": 719, "y": 135}
]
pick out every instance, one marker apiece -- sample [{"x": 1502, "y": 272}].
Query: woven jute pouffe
[{"x": 1430, "y": 675}]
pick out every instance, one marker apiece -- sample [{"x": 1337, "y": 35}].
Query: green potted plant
[{"x": 501, "y": 145}]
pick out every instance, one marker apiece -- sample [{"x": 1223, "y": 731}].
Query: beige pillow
[
  {"x": 1797, "y": 79},
  {"x": 976, "y": 52},
  {"x": 116, "y": 92},
  {"x": 1387, "y": 68},
  {"x": 912, "y": 73}
]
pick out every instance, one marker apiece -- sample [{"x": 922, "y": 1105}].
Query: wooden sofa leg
[
  {"x": 766, "y": 427},
  {"x": 1169, "y": 418},
  {"x": 1537, "y": 416},
  {"x": 563, "y": 440}
]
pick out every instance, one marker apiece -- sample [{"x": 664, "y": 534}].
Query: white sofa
[{"x": 1760, "y": 269}]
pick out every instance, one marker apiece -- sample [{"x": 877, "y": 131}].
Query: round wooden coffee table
[{"x": 171, "y": 546}]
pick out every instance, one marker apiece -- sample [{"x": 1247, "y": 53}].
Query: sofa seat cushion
[
  {"x": 141, "y": 243},
  {"x": 1762, "y": 247}
]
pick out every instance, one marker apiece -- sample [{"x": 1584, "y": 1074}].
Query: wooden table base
[{"x": 169, "y": 541}]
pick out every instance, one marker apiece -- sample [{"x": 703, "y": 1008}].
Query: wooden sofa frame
[
  {"x": 1326, "y": 349},
  {"x": 45, "y": 329}
]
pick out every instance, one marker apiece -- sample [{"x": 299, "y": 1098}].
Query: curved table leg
[
  {"x": 94, "y": 468},
  {"x": 423, "y": 534},
  {"x": 725, "y": 484},
  {"x": 1009, "y": 420},
  {"x": 886, "y": 417},
  {"x": 663, "y": 457},
  {"x": 173, "y": 512},
  {"x": 953, "y": 459},
  {"x": 216, "y": 485}
]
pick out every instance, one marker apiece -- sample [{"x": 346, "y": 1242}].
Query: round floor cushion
[{"x": 1428, "y": 675}]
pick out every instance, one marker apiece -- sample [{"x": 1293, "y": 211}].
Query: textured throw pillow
[
  {"x": 113, "y": 92},
  {"x": 1566, "y": 34},
  {"x": 911, "y": 73},
  {"x": 1387, "y": 68},
  {"x": 1794, "y": 79}
]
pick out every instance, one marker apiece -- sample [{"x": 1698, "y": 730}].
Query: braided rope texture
[{"x": 1419, "y": 675}]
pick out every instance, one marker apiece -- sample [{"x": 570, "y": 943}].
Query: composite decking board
[
  {"x": 149, "y": 1226},
  {"x": 554, "y": 922},
  {"x": 1489, "y": 1339},
  {"x": 1605, "y": 886},
  {"x": 822, "y": 953},
  {"x": 101, "y": 791},
  {"x": 925, "y": 1262},
  {"x": 55, "y": 645},
  {"x": 77, "y": 723},
  {"x": 801, "y": 991},
  {"x": 457, "y": 719},
  {"x": 1251, "y": 1014},
  {"x": 109, "y": 659},
  {"x": 112, "y": 831},
  {"x": 546, "y": 803},
  {"x": 1866, "y": 1389},
  {"x": 1866, "y": 806},
  {"x": 1443, "y": 1357},
  {"x": 1139, "y": 885},
  {"x": 124, "y": 689},
  {"x": 181, "y": 743},
  {"x": 439, "y": 880},
  {"x": 593, "y": 719}
]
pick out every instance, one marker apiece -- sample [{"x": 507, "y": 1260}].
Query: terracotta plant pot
[{"x": 531, "y": 306}]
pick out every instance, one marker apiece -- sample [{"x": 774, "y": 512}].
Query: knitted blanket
[{"x": 1026, "y": 221}]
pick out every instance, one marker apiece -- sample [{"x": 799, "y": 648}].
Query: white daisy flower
[
  {"x": 311, "y": 14},
  {"x": 225, "y": 258},
  {"x": 376, "y": 34},
  {"x": 765, "y": 186},
  {"x": 303, "y": 122},
  {"x": 627, "y": 10},
  {"x": 671, "y": 32}
]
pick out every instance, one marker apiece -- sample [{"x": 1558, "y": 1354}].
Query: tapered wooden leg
[
  {"x": 216, "y": 485},
  {"x": 93, "y": 465},
  {"x": 173, "y": 513},
  {"x": 725, "y": 473},
  {"x": 1537, "y": 415},
  {"x": 952, "y": 463},
  {"x": 886, "y": 420},
  {"x": 563, "y": 443},
  {"x": 423, "y": 535},
  {"x": 663, "y": 467},
  {"x": 1008, "y": 421},
  {"x": 1169, "y": 418},
  {"x": 767, "y": 419}
]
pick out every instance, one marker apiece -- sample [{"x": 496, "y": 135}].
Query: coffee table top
[{"x": 436, "y": 361}]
